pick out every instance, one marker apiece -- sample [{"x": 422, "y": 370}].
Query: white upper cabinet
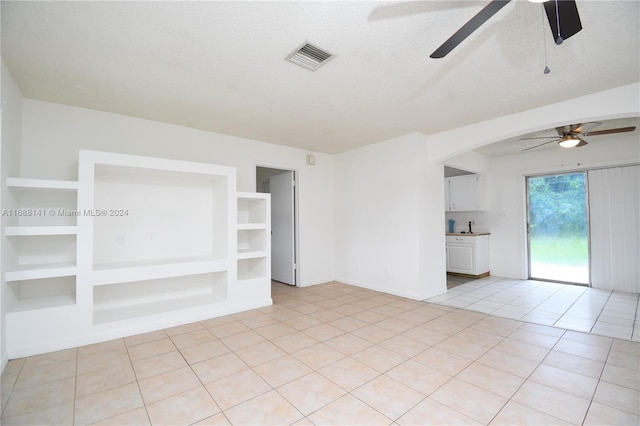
[{"x": 465, "y": 193}]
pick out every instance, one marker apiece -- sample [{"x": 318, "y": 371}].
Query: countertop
[{"x": 466, "y": 234}]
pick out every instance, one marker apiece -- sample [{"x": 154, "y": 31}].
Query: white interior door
[{"x": 283, "y": 259}]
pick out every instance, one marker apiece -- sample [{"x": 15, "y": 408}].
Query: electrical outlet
[{"x": 122, "y": 238}]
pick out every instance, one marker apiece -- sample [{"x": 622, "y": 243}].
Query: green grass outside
[{"x": 571, "y": 251}]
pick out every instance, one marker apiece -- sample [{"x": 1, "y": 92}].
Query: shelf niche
[{"x": 156, "y": 215}]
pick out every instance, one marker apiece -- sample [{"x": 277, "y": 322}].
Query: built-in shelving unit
[
  {"x": 136, "y": 244},
  {"x": 253, "y": 236},
  {"x": 41, "y": 233}
]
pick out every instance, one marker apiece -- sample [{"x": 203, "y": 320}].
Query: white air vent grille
[{"x": 310, "y": 57}]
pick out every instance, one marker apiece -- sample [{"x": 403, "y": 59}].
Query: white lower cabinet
[{"x": 468, "y": 254}]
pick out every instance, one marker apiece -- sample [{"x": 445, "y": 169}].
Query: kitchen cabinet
[
  {"x": 468, "y": 254},
  {"x": 465, "y": 193}
]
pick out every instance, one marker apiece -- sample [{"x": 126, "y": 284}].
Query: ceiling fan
[
  {"x": 571, "y": 136},
  {"x": 562, "y": 15}
]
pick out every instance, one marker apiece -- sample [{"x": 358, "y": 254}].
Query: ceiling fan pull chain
[
  {"x": 544, "y": 42},
  {"x": 559, "y": 39}
]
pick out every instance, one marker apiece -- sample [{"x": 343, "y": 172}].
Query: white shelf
[
  {"x": 28, "y": 183},
  {"x": 251, "y": 254},
  {"x": 42, "y": 303},
  {"x": 122, "y": 272},
  {"x": 34, "y": 272},
  {"x": 19, "y": 231},
  {"x": 250, "y": 226}
]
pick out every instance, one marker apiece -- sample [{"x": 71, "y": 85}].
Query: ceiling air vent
[{"x": 308, "y": 56}]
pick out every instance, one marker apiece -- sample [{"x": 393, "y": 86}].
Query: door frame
[
  {"x": 296, "y": 208},
  {"x": 528, "y": 233}
]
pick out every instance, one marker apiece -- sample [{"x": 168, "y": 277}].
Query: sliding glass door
[{"x": 558, "y": 228}]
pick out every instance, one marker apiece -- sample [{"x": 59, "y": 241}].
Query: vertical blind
[{"x": 614, "y": 217}]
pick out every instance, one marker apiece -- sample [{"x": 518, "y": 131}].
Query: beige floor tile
[
  {"x": 181, "y": 329},
  {"x": 368, "y": 316},
  {"x": 462, "y": 347},
  {"x": 624, "y": 359},
  {"x": 228, "y": 329},
  {"x": 215, "y": 322},
  {"x": 323, "y": 332},
  {"x": 564, "y": 380},
  {"x": 418, "y": 376},
  {"x": 318, "y": 355},
  {"x": 139, "y": 339},
  {"x": 446, "y": 362},
  {"x": 619, "y": 397},
  {"x": 96, "y": 360},
  {"x": 243, "y": 340},
  {"x": 238, "y": 388},
  {"x": 137, "y": 417},
  {"x": 462, "y": 318},
  {"x": 595, "y": 353},
  {"x": 556, "y": 403},
  {"x": 326, "y": 315},
  {"x": 311, "y": 392},
  {"x": 260, "y": 353},
  {"x": 390, "y": 397},
  {"x": 621, "y": 376},
  {"x": 158, "y": 364},
  {"x": 600, "y": 414},
  {"x": 153, "y": 348},
  {"x": 348, "y": 344},
  {"x": 444, "y": 327},
  {"x": 49, "y": 360},
  {"x": 589, "y": 339},
  {"x": 219, "y": 367},
  {"x": 294, "y": 342},
  {"x": 168, "y": 384},
  {"x": 216, "y": 420},
  {"x": 348, "y": 373},
  {"x": 534, "y": 338},
  {"x": 33, "y": 374},
  {"x": 488, "y": 340},
  {"x": 258, "y": 321},
  {"x": 101, "y": 348},
  {"x": 431, "y": 412},
  {"x": 204, "y": 351},
  {"x": 509, "y": 363},
  {"x": 348, "y": 410},
  {"x": 522, "y": 349},
  {"x": 395, "y": 325},
  {"x": 348, "y": 324},
  {"x": 405, "y": 345},
  {"x": 103, "y": 380},
  {"x": 308, "y": 308},
  {"x": 282, "y": 370},
  {"x": 574, "y": 363},
  {"x": 514, "y": 413},
  {"x": 425, "y": 335},
  {"x": 273, "y": 331},
  {"x": 491, "y": 379},
  {"x": 58, "y": 414},
  {"x": 267, "y": 409},
  {"x": 183, "y": 409},
  {"x": 379, "y": 358},
  {"x": 193, "y": 338},
  {"x": 37, "y": 398},
  {"x": 373, "y": 333},
  {"x": 496, "y": 325},
  {"x": 102, "y": 405},
  {"x": 469, "y": 400}
]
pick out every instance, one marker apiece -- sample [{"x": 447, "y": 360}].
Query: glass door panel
[{"x": 558, "y": 228}]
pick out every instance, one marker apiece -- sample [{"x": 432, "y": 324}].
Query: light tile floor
[
  {"x": 334, "y": 354},
  {"x": 579, "y": 308}
]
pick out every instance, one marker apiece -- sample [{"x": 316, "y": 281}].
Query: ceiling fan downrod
[{"x": 559, "y": 40}]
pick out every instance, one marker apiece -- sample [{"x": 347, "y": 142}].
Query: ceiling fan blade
[
  {"x": 585, "y": 127},
  {"x": 541, "y": 137},
  {"x": 468, "y": 28},
  {"x": 581, "y": 143},
  {"x": 567, "y": 15},
  {"x": 610, "y": 131},
  {"x": 532, "y": 147}
]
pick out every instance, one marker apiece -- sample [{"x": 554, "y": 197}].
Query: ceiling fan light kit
[{"x": 569, "y": 141}]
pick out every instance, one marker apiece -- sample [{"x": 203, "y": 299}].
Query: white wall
[
  {"x": 9, "y": 166},
  {"x": 53, "y": 134},
  {"x": 389, "y": 206}
]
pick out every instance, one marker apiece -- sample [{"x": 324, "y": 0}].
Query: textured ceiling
[{"x": 220, "y": 66}]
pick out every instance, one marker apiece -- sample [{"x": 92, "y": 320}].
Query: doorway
[
  {"x": 558, "y": 228},
  {"x": 281, "y": 184}
]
